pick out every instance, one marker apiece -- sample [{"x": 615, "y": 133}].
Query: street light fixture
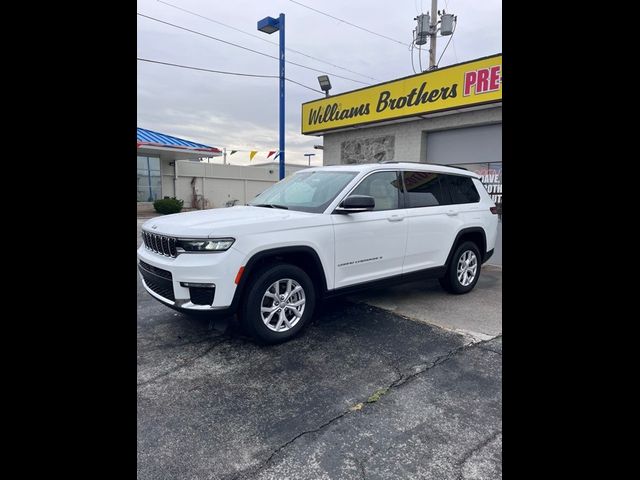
[
  {"x": 325, "y": 84},
  {"x": 270, "y": 25}
]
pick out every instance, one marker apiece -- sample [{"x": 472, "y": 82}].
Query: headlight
[{"x": 213, "y": 245}]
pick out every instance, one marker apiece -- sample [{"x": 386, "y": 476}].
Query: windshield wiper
[{"x": 270, "y": 205}]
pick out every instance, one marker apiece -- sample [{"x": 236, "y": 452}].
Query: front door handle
[
  {"x": 452, "y": 212},
  {"x": 395, "y": 218}
]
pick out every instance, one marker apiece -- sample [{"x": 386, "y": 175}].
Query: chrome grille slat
[
  {"x": 164, "y": 242},
  {"x": 160, "y": 244}
]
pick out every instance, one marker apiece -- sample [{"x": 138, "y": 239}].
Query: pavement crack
[
  {"x": 255, "y": 471},
  {"x": 469, "y": 453},
  {"x": 360, "y": 464},
  {"x": 182, "y": 365},
  {"x": 167, "y": 346},
  {"x": 491, "y": 350}
]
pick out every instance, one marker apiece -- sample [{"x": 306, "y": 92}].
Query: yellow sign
[{"x": 462, "y": 85}]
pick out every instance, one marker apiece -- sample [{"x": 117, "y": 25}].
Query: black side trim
[
  {"x": 487, "y": 256},
  {"x": 249, "y": 268},
  {"x": 434, "y": 272},
  {"x": 462, "y": 232}
]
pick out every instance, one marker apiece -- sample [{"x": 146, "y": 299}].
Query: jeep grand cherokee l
[{"x": 320, "y": 232}]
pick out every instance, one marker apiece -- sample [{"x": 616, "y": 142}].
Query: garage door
[
  {"x": 478, "y": 149},
  {"x": 465, "y": 145}
]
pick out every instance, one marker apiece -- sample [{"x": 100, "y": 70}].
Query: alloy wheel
[
  {"x": 467, "y": 268},
  {"x": 282, "y": 305}
]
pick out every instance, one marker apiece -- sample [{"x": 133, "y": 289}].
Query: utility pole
[{"x": 432, "y": 34}]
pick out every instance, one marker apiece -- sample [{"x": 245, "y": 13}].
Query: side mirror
[{"x": 356, "y": 203}]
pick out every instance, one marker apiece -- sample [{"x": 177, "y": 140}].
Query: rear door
[
  {"x": 371, "y": 245},
  {"x": 432, "y": 220},
  {"x": 465, "y": 198}
]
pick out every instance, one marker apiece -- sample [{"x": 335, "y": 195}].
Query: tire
[
  {"x": 468, "y": 253},
  {"x": 261, "y": 315}
]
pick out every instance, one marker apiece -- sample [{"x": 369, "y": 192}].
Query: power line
[
  {"x": 206, "y": 69},
  {"x": 249, "y": 49},
  {"x": 302, "y": 85},
  {"x": 453, "y": 44},
  {"x": 349, "y": 23},
  {"x": 445, "y": 47},
  {"x": 188, "y": 67},
  {"x": 412, "y": 64},
  {"x": 266, "y": 40}
]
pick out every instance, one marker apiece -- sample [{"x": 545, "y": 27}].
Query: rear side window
[
  {"x": 424, "y": 189},
  {"x": 461, "y": 188}
]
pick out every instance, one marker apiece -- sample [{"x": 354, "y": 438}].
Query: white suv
[{"x": 320, "y": 232}]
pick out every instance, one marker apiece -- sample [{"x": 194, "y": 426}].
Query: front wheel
[
  {"x": 464, "y": 269},
  {"x": 278, "y": 303}
]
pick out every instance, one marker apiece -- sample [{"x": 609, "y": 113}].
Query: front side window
[
  {"x": 305, "y": 191},
  {"x": 383, "y": 187},
  {"x": 461, "y": 188},
  {"x": 424, "y": 189}
]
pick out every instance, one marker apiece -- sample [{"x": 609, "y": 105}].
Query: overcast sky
[{"x": 241, "y": 113}]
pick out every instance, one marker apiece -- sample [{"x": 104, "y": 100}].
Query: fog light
[{"x": 197, "y": 285}]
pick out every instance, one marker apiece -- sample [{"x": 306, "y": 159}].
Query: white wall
[{"x": 218, "y": 183}]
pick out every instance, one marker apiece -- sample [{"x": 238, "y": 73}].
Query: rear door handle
[
  {"x": 395, "y": 218},
  {"x": 452, "y": 212}
]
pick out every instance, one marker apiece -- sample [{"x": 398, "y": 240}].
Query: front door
[{"x": 371, "y": 245}]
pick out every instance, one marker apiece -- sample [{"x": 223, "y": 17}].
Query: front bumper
[{"x": 165, "y": 276}]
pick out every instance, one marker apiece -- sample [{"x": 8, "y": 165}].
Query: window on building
[
  {"x": 424, "y": 189},
  {"x": 461, "y": 189},
  {"x": 149, "y": 179},
  {"x": 383, "y": 187}
]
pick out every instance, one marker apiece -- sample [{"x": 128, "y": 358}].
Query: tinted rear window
[
  {"x": 461, "y": 188},
  {"x": 424, "y": 189}
]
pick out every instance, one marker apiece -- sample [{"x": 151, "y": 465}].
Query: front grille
[
  {"x": 202, "y": 295},
  {"x": 160, "y": 244},
  {"x": 158, "y": 280}
]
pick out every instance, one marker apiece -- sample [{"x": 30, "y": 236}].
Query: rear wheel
[
  {"x": 464, "y": 269},
  {"x": 278, "y": 303}
]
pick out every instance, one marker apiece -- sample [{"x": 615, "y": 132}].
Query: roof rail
[
  {"x": 450, "y": 166},
  {"x": 398, "y": 161},
  {"x": 424, "y": 163}
]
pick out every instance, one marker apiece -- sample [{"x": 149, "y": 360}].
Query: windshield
[{"x": 305, "y": 191}]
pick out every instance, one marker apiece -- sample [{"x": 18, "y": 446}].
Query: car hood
[{"x": 230, "y": 221}]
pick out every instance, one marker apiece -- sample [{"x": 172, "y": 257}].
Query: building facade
[{"x": 169, "y": 166}]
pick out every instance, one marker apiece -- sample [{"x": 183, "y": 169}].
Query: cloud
[{"x": 242, "y": 112}]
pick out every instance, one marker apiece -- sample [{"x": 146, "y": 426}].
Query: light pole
[
  {"x": 309, "y": 155},
  {"x": 270, "y": 25},
  {"x": 325, "y": 84}
]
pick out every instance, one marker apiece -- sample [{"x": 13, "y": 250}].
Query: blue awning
[{"x": 156, "y": 139}]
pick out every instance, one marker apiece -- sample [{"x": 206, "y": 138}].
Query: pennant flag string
[{"x": 252, "y": 154}]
